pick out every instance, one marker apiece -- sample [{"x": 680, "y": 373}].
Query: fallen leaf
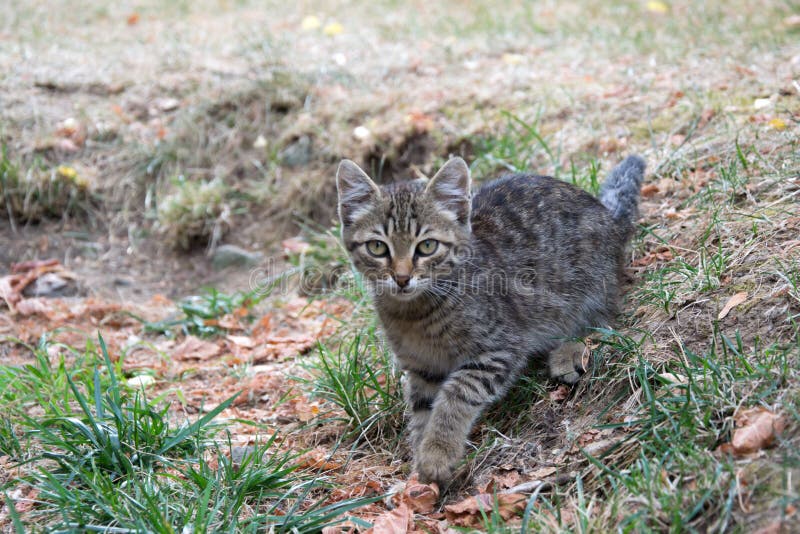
[
  {"x": 470, "y": 512},
  {"x": 756, "y": 429},
  {"x": 662, "y": 253},
  {"x": 245, "y": 342},
  {"x": 762, "y": 103},
  {"x": 542, "y": 472},
  {"x": 295, "y": 245},
  {"x": 777, "y": 124},
  {"x": 559, "y": 394},
  {"x": 513, "y": 59},
  {"x": 318, "y": 459},
  {"x": 32, "y": 306},
  {"x": 310, "y": 22},
  {"x": 657, "y": 7},
  {"x": 193, "y": 348},
  {"x": 792, "y": 21},
  {"x": 334, "y": 28},
  {"x": 734, "y": 301},
  {"x": 398, "y": 521},
  {"x": 420, "y": 121},
  {"x": 132, "y": 19},
  {"x": 420, "y": 498},
  {"x": 649, "y": 190},
  {"x": 505, "y": 479}
]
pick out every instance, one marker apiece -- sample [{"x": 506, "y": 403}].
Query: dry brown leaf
[
  {"x": 295, "y": 245},
  {"x": 756, "y": 429},
  {"x": 318, "y": 459},
  {"x": 792, "y": 21},
  {"x": 505, "y": 479},
  {"x": 245, "y": 342},
  {"x": 734, "y": 301},
  {"x": 649, "y": 190},
  {"x": 420, "y": 498},
  {"x": 542, "y": 472},
  {"x": 559, "y": 394},
  {"x": 193, "y": 348},
  {"x": 469, "y": 512},
  {"x": 662, "y": 253},
  {"x": 398, "y": 521}
]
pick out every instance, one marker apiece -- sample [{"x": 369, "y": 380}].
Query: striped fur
[{"x": 525, "y": 264}]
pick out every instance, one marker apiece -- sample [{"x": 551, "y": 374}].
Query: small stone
[
  {"x": 298, "y": 153},
  {"x": 141, "y": 381},
  {"x": 232, "y": 256},
  {"x": 361, "y": 132},
  {"x": 51, "y": 285}
]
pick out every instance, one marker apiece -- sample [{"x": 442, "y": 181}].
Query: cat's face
[{"x": 403, "y": 236}]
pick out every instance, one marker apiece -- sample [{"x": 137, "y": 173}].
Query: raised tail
[{"x": 620, "y": 192}]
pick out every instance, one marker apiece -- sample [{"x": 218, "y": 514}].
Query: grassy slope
[{"x": 582, "y": 85}]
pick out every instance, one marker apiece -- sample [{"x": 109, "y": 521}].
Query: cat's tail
[{"x": 620, "y": 192}]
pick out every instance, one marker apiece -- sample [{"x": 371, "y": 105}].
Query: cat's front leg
[
  {"x": 467, "y": 391},
  {"x": 420, "y": 391}
]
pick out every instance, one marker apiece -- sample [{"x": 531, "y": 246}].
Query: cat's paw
[{"x": 435, "y": 461}]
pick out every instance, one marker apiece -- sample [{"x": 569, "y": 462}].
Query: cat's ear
[
  {"x": 450, "y": 189},
  {"x": 357, "y": 192}
]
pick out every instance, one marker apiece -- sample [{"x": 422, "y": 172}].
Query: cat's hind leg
[{"x": 566, "y": 363}]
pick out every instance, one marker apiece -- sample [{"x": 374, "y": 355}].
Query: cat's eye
[
  {"x": 377, "y": 248},
  {"x": 427, "y": 247}
]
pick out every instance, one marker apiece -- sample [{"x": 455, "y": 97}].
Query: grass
[
  {"x": 209, "y": 314},
  {"x": 359, "y": 379},
  {"x": 35, "y": 192},
  {"x": 99, "y": 433}
]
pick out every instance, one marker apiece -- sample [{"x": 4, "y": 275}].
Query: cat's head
[{"x": 402, "y": 236}]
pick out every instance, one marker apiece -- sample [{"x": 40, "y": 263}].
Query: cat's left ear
[{"x": 450, "y": 189}]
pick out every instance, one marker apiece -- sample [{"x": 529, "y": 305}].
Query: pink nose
[{"x": 402, "y": 279}]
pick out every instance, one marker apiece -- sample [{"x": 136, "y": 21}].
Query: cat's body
[{"x": 526, "y": 264}]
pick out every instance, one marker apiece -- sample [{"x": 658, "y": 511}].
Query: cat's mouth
[{"x": 411, "y": 290}]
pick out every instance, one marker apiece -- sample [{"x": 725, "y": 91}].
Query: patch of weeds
[
  {"x": 38, "y": 192},
  {"x": 685, "y": 412},
  {"x": 587, "y": 179},
  {"x": 196, "y": 212},
  {"x": 516, "y": 149},
  {"x": 323, "y": 262},
  {"x": 10, "y": 444},
  {"x": 789, "y": 273},
  {"x": 359, "y": 378},
  {"x": 116, "y": 462},
  {"x": 663, "y": 286},
  {"x": 210, "y": 314},
  {"x": 45, "y": 382},
  {"x": 513, "y": 412}
]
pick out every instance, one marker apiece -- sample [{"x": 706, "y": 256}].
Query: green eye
[
  {"x": 377, "y": 248},
  {"x": 427, "y": 247}
]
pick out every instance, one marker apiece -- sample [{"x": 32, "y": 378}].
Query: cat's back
[{"x": 525, "y": 210}]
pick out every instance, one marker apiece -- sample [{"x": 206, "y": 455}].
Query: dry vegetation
[{"x": 140, "y": 137}]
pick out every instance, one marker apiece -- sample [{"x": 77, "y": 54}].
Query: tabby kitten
[{"x": 469, "y": 287}]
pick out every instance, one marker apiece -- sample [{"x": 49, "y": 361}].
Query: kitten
[{"x": 469, "y": 287}]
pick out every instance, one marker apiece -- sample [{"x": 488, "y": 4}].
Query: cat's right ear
[
  {"x": 450, "y": 188},
  {"x": 357, "y": 192}
]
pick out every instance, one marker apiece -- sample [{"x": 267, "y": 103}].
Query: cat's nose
[{"x": 402, "y": 279}]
